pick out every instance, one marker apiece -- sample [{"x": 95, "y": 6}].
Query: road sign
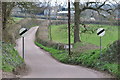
[
  {"x": 22, "y": 31},
  {"x": 101, "y": 32}
]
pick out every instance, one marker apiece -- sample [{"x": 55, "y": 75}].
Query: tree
[
  {"x": 97, "y": 6},
  {"x": 8, "y": 6},
  {"x": 76, "y": 22},
  {"x": 6, "y": 10}
]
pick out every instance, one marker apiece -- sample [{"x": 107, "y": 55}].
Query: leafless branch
[{"x": 98, "y": 6}]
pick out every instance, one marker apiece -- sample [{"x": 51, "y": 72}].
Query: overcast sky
[
  {"x": 63, "y": 2},
  {"x": 58, "y": 1}
]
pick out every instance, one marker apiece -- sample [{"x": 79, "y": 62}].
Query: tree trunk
[
  {"x": 76, "y": 22},
  {"x": 6, "y": 11},
  {"x": 50, "y": 33},
  {"x": 4, "y": 18}
]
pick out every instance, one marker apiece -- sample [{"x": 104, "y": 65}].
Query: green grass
[
  {"x": 0, "y": 56},
  {"x": 0, "y": 61},
  {"x": 54, "y": 52},
  {"x": 10, "y": 58},
  {"x": 17, "y": 19},
  {"x": 89, "y": 58},
  {"x": 59, "y": 34}
]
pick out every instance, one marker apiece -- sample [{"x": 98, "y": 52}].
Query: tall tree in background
[
  {"x": 76, "y": 22},
  {"x": 97, "y": 6}
]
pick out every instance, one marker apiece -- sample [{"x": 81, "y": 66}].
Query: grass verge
[
  {"x": 91, "y": 59},
  {"x": 10, "y": 58}
]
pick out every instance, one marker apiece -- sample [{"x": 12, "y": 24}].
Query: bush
[{"x": 112, "y": 53}]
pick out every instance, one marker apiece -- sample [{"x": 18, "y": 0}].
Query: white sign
[
  {"x": 22, "y": 31},
  {"x": 101, "y": 32},
  {"x": 67, "y": 46}
]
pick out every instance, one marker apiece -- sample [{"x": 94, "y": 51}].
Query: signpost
[
  {"x": 101, "y": 32},
  {"x": 22, "y": 32}
]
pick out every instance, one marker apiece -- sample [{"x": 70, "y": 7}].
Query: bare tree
[
  {"x": 97, "y": 6},
  {"x": 8, "y": 6},
  {"x": 76, "y": 22},
  {"x": 6, "y": 11}
]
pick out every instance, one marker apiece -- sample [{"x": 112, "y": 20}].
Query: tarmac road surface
[{"x": 42, "y": 65}]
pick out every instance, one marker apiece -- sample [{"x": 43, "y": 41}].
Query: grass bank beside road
[
  {"x": 10, "y": 58},
  {"x": 91, "y": 59}
]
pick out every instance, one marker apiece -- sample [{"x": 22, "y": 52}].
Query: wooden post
[{"x": 69, "y": 25}]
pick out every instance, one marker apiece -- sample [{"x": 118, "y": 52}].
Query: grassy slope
[
  {"x": 0, "y": 56},
  {"x": 59, "y": 34},
  {"x": 10, "y": 58},
  {"x": 0, "y": 59},
  {"x": 89, "y": 59}
]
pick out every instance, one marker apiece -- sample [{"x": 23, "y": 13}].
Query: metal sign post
[
  {"x": 101, "y": 32},
  {"x": 23, "y": 46},
  {"x": 100, "y": 45},
  {"x": 22, "y": 32}
]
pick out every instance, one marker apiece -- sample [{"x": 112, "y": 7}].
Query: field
[
  {"x": 17, "y": 19},
  {"x": 59, "y": 34}
]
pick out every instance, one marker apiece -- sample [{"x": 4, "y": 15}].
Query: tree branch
[{"x": 97, "y": 6}]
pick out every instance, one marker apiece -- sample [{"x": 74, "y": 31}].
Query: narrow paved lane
[{"x": 42, "y": 65}]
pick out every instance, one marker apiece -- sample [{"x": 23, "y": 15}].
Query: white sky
[
  {"x": 58, "y": 1},
  {"x": 65, "y": 1}
]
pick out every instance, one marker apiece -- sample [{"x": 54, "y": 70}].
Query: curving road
[{"x": 42, "y": 65}]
